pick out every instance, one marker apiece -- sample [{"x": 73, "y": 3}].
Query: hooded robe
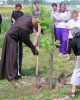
[{"x": 18, "y": 32}]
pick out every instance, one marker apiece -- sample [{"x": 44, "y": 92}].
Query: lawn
[{"x": 26, "y": 89}]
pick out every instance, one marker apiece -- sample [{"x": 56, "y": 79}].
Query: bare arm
[{"x": 13, "y": 20}]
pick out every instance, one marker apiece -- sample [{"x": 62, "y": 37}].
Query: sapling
[{"x": 48, "y": 44}]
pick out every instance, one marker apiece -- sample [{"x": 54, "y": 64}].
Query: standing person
[
  {"x": 37, "y": 30},
  {"x": 36, "y": 11},
  {"x": 74, "y": 22},
  {"x": 61, "y": 30},
  {"x": 0, "y": 22},
  {"x": 15, "y": 15},
  {"x": 20, "y": 31},
  {"x": 75, "y": 79},
  {"x": 53, "y": 14}
]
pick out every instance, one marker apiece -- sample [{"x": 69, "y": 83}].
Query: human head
[
  {"x": 18, "y": 6},
  {"x": 75, "y": 30},
  {"x": 75, "y": 15},
  {"x": 54, "y": 5},
  {"x": 36, "y": 3},
  {"x": 62, "y": 6},
  {"x": 34, "y": 22}
]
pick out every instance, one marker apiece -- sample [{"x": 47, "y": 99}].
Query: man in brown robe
[{"x": 18, "y": 32}]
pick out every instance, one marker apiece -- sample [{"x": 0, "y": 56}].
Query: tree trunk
[{"x": 51, "y": 61}]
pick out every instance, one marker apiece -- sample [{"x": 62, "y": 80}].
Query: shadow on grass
[
  {"x": 1, "y": 78},
  {"x": 32, "y": 71}
]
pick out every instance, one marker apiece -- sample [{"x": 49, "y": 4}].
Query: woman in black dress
[{"x": 15, "y": 15}]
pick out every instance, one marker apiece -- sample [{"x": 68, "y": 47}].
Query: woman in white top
[
  {"x": 61, "y": 31},
  {"x": 74, "y": 22}
]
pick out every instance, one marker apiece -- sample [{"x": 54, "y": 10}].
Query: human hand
[
  {"x": 68, "y": 27},
  {"x": 36, "y": 53}
]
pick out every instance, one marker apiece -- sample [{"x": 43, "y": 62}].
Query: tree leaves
[{"x": 46, "y": 44}]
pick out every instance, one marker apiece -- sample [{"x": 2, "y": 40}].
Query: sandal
[
  {"x": 15, "y": 82},
  {"x": 72, "y": 95}
]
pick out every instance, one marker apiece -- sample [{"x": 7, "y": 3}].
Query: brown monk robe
[{"x": 18, "y": 32}]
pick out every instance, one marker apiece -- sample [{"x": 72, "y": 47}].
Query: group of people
[
  {"x": 66, "y": 27},
  {"x": 63, "y": 22},
  {"x": 66, "y": 30}
]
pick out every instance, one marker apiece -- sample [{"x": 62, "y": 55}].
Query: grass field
[
  {"x": 7, "y": 11},
  {"x": 26, "y": 89}
]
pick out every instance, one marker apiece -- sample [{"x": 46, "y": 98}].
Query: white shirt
[{"x": 72, "y": 23}]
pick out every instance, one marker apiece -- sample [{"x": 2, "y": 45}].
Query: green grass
[
  {"x": 7, "y": 11},
  {"x": 26, "y": 89}
]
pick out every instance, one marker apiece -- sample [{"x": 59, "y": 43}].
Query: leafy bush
[{"x": 5, "y": 25}]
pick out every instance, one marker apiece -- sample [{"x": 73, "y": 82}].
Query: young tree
[{"x": 48, "y": 44}]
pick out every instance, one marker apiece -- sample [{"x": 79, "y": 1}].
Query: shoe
[
  {"x": 64, "y": 54},
  {"x": 68, "y": 58},
  {"x": 60, "y": 54},
  {"x": 72, "y": 95}
]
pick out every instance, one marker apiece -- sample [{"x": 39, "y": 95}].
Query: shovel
[
  {"x": 37, "y": 66},
  {"x": 63, "y": 78},
  {"x": 36, "y": 43},
  {"x": 37, "y": 77}
]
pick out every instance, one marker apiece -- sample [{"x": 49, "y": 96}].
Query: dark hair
[
  {"x": 62, "y": 3},
  {"x": 36, "y": 2},
  {"x": 18, "y": 4},
  {"x": 54, "y": 4}
]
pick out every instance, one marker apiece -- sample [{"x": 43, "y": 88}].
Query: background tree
[
  {"x": 26, "y": 2},
  {"x": 10, "y": 2}
]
